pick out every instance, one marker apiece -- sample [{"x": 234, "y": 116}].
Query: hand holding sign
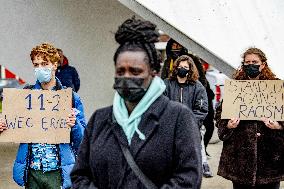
[
  {"x": 71, "y": 119},
  {"x": 233, "y": 123},
  {"x": 271, "y": 124},
  {"x": 3, "y": 125}
]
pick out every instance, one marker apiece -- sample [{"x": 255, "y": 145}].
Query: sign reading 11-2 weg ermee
[
  {"x": 36, "y": 116},
  {"x": 253, "y": 99}
]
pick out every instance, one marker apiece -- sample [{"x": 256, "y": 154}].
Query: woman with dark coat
[
  {"x": 253, "y": 151},
  {"x": 161, "y": 136},
  {"x": 183, "y": 86}
]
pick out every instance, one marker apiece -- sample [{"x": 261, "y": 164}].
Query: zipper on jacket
[
  {"x": 181, "y": 89},
  {"x": 27, "y": 167}
]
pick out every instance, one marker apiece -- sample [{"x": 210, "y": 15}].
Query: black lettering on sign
[
  {"x": 241, "y": 86},
  {"x": 57, "y": 97},
  {"x": 251, "y": 110},
  {"x": 238, "y": 99},
  {"x": 43, "y": 123},
  {"x": 28, "y": 122},
  {"x": 62, "y": 123},
  {"x": 269, "y": 111},
  {"x": 20, "y": 121},
  {"x": 243, "y": 108},
  {"x": 248, "y": 88},
  {"x": 234, "y": 87},
  {"x": 278, "y": 110},
  {"x": 41, "y": 98},
  {"x": 10, "y": 124},
  {"x": 53, "y": 123},
  {"x": 261, "y": 111}
]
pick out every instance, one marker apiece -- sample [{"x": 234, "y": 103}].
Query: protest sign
[
  {"x": 253, "y": 99},
  {"x": 36, "y": 116}
]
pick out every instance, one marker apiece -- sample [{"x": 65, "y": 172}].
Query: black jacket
[
  {"x": 194, "y": 96},
  {"x": 68, "y": 76},
  {"x": 169, "y": 156}
]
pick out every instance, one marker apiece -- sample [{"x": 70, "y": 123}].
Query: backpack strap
[{"x": 137, "y": 171}]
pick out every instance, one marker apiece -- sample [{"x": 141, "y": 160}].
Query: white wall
[
  {"x": 83, "y": 29},
  {"x": 219, "y": 31}
]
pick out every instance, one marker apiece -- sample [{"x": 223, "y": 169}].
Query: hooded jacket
[
  {"x": 67, "y": 152},
  {"x": 171, "y": 57}
]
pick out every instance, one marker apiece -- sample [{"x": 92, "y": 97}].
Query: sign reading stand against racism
[
  {"x": 36, "y": 116},
  {"x": 253, "y": 99}
]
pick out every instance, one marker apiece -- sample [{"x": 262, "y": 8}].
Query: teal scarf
[{"x": 130, "y": 123}]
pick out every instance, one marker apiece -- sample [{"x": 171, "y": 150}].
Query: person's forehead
[
  {"x": 184, "y": 63},
  {"x": 252, "y": 56},
  {"x": 130, "y": 61},
  {"x": 131, "y": 56}
]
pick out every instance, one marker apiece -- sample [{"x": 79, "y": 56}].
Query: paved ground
[{"x": 7, "y": 155}]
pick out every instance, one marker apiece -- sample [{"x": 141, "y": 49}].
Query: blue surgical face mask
[{"x": 43, "y": 75}]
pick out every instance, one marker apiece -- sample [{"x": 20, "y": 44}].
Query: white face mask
[{"x": 43, "y": 75}]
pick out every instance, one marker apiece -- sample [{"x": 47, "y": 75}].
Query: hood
[
  {"x": 174, "y": 54},
  {"x": 65, "y": 61}
]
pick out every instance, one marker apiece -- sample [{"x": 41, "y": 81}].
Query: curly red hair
[
  {"x": 266, "y": 73},
  {"x": 47, "y": 51}
]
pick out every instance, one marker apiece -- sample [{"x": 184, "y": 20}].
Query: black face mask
[
  {"x": 252, "y": 70},
  {"x": 181, "y": 72},
  {"x": 175, "y": 54},
  {"x": 130, "y": 89}
]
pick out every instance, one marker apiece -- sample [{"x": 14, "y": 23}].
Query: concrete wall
[{"x": 83, "y": 29}]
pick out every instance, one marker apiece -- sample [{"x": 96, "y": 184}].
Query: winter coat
[
  {"x": 66, "y": 151},
  {"x": 68, "y": 76},
  {"x": 169, "y": 156},
  {"x": 193, "y": 95},
  {"x": 252, "y": 153}
]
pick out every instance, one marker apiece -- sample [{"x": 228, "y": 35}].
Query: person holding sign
[
  {"x": 253, "y": 151},
  {"x": 144, "y": 140},
  {"x": 49, "y": 165}
]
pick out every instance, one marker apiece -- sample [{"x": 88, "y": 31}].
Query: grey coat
[
  {"x": 193, "y": 96},
  {"x": 169, "y": 156}
]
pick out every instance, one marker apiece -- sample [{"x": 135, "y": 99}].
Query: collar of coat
[{"x": 149, "y": 123}]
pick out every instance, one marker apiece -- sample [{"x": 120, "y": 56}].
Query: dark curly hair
[
  {"x": 266, "y": 73},
  {"x": 193, "y": 76},
  {"x": 137, "y": 35}
]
